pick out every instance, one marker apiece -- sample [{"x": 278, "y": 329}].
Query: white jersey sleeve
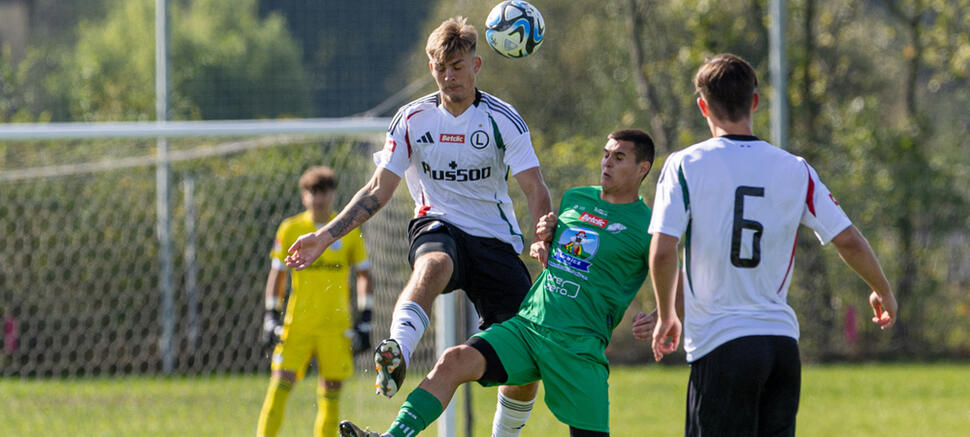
[
  {"x": 822, "y": 212},
  {"x": 396, "y": 154},
  {"x": 670, "y": 206},
  {"x": 519, "y": 154}
]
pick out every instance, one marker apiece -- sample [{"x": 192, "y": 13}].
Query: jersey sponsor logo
[
  {"x": 576, "y": 248},
  {"x": 479, "y": 139},
  {"x": 597, "y": 210},
  {"x": 561, "y": 286},
  {"x": 452, "y": 138},
  {"x": 594, "y": 220},
  {"x": 425, "y": 139},
  {"x": 616, "y": 227},
  {"x": 456, "y": 174},
  {"x": 319, "y": 265}
]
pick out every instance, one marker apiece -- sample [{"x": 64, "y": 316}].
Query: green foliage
[{"x": 221, "y": 52}]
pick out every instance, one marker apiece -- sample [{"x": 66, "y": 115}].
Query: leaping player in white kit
[{"x": 456, "y": 148}]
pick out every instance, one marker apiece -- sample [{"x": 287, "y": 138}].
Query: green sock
[{"x": 419, "y": 410}]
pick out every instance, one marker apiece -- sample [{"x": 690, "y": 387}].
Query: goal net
[{"x": 81, "y": 284}]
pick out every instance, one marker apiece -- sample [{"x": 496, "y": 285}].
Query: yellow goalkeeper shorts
[{"x": 331, "y": 347}]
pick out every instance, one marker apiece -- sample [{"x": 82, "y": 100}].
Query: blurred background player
[
  {"x": 562, "y": 329},
  {"x": 457, "y": 147},
  {"x": 740, "y": 201},
  {"x": 318, "y": 313}
]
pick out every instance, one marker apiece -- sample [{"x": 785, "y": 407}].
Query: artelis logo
[
  {"x": 594, "y": 220},
  {"x": 452, "y": 138}
]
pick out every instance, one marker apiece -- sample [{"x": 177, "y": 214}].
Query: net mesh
[{"x": 80, "y": 285}]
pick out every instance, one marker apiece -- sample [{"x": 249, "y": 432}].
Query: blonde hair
[{"x": 454, "y": 36}]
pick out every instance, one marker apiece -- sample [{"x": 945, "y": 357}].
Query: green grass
[{"x": 842, "y": 400}]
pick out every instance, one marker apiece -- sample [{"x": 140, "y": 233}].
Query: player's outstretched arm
[
  {"x": 663, "y": 273},
  {"x": 857, "y": 253},
  {"x": 536, "y": 194},
  {"x": 368, "y": 200}
]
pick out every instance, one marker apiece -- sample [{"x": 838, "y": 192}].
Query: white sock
[
  {"x": 408, "y": 324},
  {"x": 510, "y": 416}
]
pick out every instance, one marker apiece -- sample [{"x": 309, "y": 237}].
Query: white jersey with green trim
[
  {"x": 738, "y": 202},
  {"x": 457, "y": 168}
]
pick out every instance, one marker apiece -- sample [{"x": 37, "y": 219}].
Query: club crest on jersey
[
  {"x": 577, "y": 247},
  {"x": 452, "y": 138},
  {"x": 479, "y": 139},
  {"x": 594, "y": 220}
]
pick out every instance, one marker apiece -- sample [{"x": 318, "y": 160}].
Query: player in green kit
[{"x": 596, "y": 261}]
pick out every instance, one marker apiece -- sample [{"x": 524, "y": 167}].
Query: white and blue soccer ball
[{"x": 514, "y": 29}]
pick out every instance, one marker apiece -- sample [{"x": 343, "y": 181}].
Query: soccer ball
[{"x": 514, "y": 29}]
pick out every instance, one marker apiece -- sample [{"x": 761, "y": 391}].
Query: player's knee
[
  {"x": 330, "y": 385},
  {"x": 462, "y": 363},
  {"x": 285, "y": 375},
  {"x": 434, "y": 264}
]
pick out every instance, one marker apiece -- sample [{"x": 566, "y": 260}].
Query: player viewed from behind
[
  {"x": 317, "y": 313},
  {"x": 457, "y": 148},
  {"x": 739, "y": 201},
  {"x": 561, "y": 331}
]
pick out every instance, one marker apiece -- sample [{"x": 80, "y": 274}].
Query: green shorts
[{"x": 573, "y": 369}]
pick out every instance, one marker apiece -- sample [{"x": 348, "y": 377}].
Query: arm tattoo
[{"x": 357, "y": 212}]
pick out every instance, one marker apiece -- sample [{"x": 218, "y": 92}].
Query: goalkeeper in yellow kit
[{"x": 317, "y": 322}]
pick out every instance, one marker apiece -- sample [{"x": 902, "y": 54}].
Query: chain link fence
[{"x": 80, "y": 282}]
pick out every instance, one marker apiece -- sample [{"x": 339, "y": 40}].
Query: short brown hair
[
  {"x": 642, "y": 143},
  {"x": 454, "y": 36},
  {"x": 727, "y": 83},
  {"x": 318, "y": 178}
]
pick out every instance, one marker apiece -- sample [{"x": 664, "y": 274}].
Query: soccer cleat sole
[
  {"x": 388, "y": 360},
  {"x": 348, "y": 429}
]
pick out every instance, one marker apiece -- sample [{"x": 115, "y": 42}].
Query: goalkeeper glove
[
  {"x": 362, "y": 332},
  {"x": 272, "y": 328}
]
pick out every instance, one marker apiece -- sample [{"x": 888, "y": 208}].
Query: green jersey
[{"x": 597, "y": 263}]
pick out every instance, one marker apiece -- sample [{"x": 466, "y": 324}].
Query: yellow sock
[
  {"x": 271, "y": 417},
  {"x": 328, "y": 412}
]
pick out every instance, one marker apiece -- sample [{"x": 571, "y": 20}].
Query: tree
[{"x": 224, "y": 63}]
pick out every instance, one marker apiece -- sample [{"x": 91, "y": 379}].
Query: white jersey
[
  {"x": 738, "y": 201},
  {"x": 457, "y": 167}
]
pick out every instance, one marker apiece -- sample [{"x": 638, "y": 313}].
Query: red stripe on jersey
[
  {"x": 424, "y": 208},
  {"x": 810, "y": 196},
  {"x": 790, "y": 262},
  {"x": 407, "y": 136}
]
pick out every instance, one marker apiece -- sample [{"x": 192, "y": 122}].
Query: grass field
[{"x": 838, "y": 400}]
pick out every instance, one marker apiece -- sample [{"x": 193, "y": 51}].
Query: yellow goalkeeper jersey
[{"x": 319, "y": 294}]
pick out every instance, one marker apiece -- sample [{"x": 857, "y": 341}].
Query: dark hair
[
  {"x": 727, "y": 83},
  {"x": 318, "y": 178},
  {"x": 642, "y": 143}
]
